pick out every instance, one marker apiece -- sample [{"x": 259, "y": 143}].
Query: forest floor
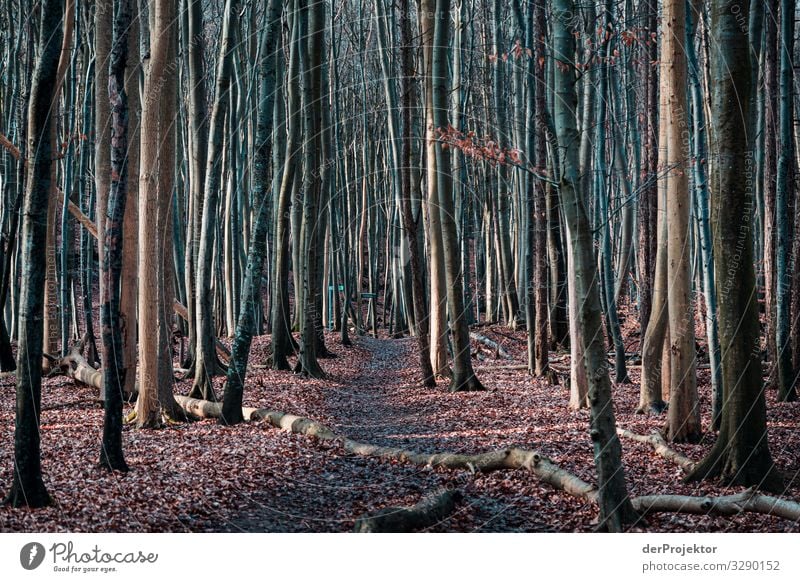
[{"x": 200, "y": 476}]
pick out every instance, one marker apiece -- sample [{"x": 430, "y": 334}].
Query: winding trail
[{"x": 369, "y": 408}]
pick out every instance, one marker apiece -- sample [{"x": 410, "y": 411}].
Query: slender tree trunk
[
  {"x": 464, "y": 378},
  {"x": 251, "y": 290},
  {"x": 130, "y": 226},
  {"x": 114, "y": 371},
  {"x": 616, "y": 510},
  {"x": 683, "y": 415},
  {"x": 701, "y": 195},
  {"x": 436, "y": 266},
  {"x": 27, "y": 486},
  {"x": 508, "y": 286},
  {"x": 783, "y": 197},
  {"x": 312, "y": 49},
  {"x": 649, "y": 196},
  {"x": 650, "y": 396},
  {"x": 198, "y": 156},
  {"x": 281, "y": 322},
  {"x": 207, "y": 364},
  {"x": 410, "y": 223},
  {"x": 103, "y": 28},
  {"x": 52, "y": 328},
  {"x": 770, "y": 130}
]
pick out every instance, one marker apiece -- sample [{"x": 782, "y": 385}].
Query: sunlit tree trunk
[
  {"x": 438, "y": 295},
  {"x": 153, "y": 400},
  {"x": 683, "y": 415}
]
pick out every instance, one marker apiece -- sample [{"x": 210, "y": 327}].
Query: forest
[{"x": 396, "y": 265}]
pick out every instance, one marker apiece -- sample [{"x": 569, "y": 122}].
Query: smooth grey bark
[
  {"x": 251, "y": 289},
  {"x": 616, "y": 510},
  {"x": 464, "y": 378},
  {"x": 741, "y": 453},
  {"x": 207, "y": 365}
]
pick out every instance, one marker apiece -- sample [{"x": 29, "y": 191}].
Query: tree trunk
[
  {"x": 464, "y": 378},
  {"x": 130, "y": 226},
  {"x": 741, "y": 454},
  {"x": 784, "y": 190},
  {"x": 312, "y": 47},
  {"x": 207, "y": 365},
  {"x": 103, "y": 17},
  {"x": 616, "y": 510},
  {"x": 410, "y": 223},
  {"x": 251, "y": 289},
  {"x": 153, "y": 400},
  {"x": 683, "y": 415},
  {"x": 436, "y": 266},
  {"x": 281, "y": 323},
  {"x": 114, "y": 371},
  {"x": 27, "y": 487},
  {"x": 198, "y": 155},
  {"x": 655, "y": 285}
]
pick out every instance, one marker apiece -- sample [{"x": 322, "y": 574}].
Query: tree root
[
  {"x": 430, "y": 510},
  {"x": 661, "y": 448}
]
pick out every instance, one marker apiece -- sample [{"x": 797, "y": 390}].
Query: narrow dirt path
[
  {"x": 333, "y": 487},
  {"x": 368, "y": 408}
]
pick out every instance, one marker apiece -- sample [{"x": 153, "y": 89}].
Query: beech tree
[
  {"x": 741, "y": 453},
  {"x": 155, "y": 398},
  {"x": 471, "y": 195},
  {"x": 615, "y": 508},
  {"x": 114, "y": 370},
  {"x": 206, "y": 363},
  {"x": 683, "y": 418},
  {"x": 27, "y": 487}
]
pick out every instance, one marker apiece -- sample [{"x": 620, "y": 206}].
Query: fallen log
[
  {"x": 75, "y": 366},
  {"x": 207, "y": 409},
  {"x": 432, "y": 509},
  {"x": 512, "y": 458},
  {"x": 499, "y": 350},
  {"x": 501, "y": 368},
  {"x": 661, "y": 447},
  {"x": 750, "y": 501}
]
